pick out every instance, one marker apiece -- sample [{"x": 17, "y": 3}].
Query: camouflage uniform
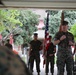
[
  {"x": 11, "y": 64},
  {"x": 64, "y": 54}
]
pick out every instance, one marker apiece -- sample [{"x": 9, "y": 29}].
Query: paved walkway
[{"x": 43, "y": 69}]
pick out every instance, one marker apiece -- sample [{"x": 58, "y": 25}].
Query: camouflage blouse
[
  {"x": 11, "y": 64},
  {"x": 64, "y": 43}
]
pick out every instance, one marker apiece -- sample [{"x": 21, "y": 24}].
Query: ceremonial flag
[
  {"x": 47, "y": 32},
  {"x": 46, "y": 41}
]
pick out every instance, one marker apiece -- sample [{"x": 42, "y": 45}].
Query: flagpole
[
  {"x": 62, "y": 19},
  {"x": 46, "y": 40}
]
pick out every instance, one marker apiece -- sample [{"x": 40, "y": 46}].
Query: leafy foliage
[
  {"x": 70, "y": 16},
  {"x": 55, "y": 20},
  {"x": 73, "y": 30},
  {"x": 18, "y": 40},
  {"x": 29, "y": 21},
  {"x": 18, "y": 22},
  {"x": 22, "y": 23}
]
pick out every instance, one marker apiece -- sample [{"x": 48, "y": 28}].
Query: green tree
[
  {"x": 2, "y": 17},
  {"x": 70, "y": 16},
  {"x": 73, "y": 30},
  {"x": 21, "y": 23},
  {"x": 55, "y": 19},
  {"x": 29, "y": 21},
  {"x": 10, "y": 22},
  {"x": 8, "y": 19}
]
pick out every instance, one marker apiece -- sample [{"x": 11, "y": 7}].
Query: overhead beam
[{"x": 40, "y": 4}]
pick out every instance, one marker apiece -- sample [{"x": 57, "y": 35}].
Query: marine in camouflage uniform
[
  {"x": 64, "y": 40},
  {"x": 11, "y": 64}
]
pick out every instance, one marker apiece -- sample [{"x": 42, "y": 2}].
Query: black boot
[
  {"x": 52, "y": 74},
  {"x": 46, "y": 74},
  {"x": 38, "y": 73}
]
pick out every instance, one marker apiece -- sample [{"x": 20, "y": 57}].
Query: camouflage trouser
[{"x": 63, "y": 60}]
